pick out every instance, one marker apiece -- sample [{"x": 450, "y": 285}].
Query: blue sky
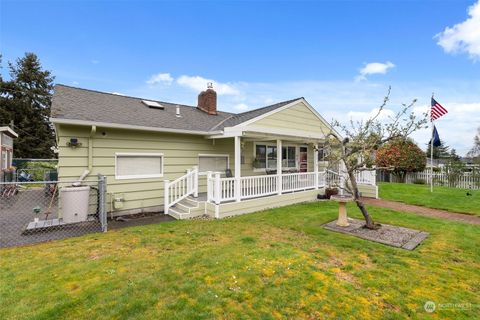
[{"x": 341, "y": 56}]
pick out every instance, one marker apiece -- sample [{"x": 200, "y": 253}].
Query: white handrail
[
  {"x": 366, "y": 177},
  {"x": 180, "y": 188},
  {"x": 223, "y": 189}
]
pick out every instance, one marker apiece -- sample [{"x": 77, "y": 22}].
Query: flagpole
[{"x": 431, "y": 150}]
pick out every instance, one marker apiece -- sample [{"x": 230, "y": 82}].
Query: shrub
[
  {"x": 402, "y": 156},
  {"x": 419, "y": 181}
]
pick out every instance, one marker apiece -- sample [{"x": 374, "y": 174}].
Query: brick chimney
[{"x": 207, "y": 100}]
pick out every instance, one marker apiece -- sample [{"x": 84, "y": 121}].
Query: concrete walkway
[{"x": 424, "y": 211}]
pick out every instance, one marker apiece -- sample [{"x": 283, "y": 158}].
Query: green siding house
[{"x": 192, "y": 160}]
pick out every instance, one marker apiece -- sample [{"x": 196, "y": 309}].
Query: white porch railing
[
  {"x": 180, "y": 188},
  {"x": 366, "y": 177},
  {"x": 333, "y": 178},
  {"x": 223, "y": 189},
  {"x": 258, "y": 186},
  {"x": 298, "y": 181}
]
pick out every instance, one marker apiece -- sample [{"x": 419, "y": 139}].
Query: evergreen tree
[
  {"x": 26, "y": 99},
  {"x": 440, "y": 152},
  {"x": 475, "y": 151},
  {"x": 454, "y": 156}
]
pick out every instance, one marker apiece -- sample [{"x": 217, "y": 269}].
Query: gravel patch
[{"x": 394, "y": 236}]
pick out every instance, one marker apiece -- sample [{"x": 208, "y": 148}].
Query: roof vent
[
  {"x": 153, "y": 104},
  {"x": 177, "y": 112}
]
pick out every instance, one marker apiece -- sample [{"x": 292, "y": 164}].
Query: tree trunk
[{"x": 369, "y": 224}]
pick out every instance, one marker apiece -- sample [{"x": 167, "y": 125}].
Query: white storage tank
[{"x": 74, "y": 202}]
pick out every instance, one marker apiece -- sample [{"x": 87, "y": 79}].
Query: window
[
  {"x": 138, "y": 165},
  {"x": 260, "y": 156},
  {"x": 266, "y": 157},
  {"x": 9, "y": 158},
  {"x": 288, "y": 157},
  {"x": 4, "y": 159},
  {"x": 271, "y": 157},
  {"x": 213, "y": 162},
  {"x": 323, "y": 153},
  {"x": 7, "y": 141}
]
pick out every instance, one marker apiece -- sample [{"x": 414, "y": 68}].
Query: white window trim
[
  {"x": 212, "y": 155},
  {"x": 139, "y": 176},
  {"x": 270, "y": 144}
]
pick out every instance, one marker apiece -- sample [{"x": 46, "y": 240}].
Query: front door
[{"x": 303, "y": 159}]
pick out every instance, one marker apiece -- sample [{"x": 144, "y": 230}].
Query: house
[
  {"x": 6, "y": 148},
  {"x": 191, "y": 160}
]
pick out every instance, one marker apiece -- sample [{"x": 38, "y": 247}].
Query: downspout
[
  {"x": 90, "y": 147},
  {"x": 90, "y": 157}
]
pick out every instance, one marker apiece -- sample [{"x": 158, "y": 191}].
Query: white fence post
[
  {"x": 166, "y": 201},
  {"x": 189, "y": 180},
  {"x": 315, "y": 165},
  {"x": 217, "y": 188},
  {"x": 210, "y": 195},
  {"x": 195, "y": 181},
  {"x": 279, "y": 166}
]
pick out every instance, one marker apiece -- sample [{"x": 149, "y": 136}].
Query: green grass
[
  {"x": 274, "y": 264},
  {"x": 446, "y": 198}
]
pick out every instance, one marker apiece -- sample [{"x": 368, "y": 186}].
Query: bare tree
[{"x": 356, "y": 151}]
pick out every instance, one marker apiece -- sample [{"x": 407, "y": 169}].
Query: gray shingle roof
[{"x": 88, "y": 105}]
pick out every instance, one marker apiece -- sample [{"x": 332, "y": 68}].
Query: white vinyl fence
[{"x": 465, "y": 181}]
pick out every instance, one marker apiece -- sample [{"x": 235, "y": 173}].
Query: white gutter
[{"x": 129, "y": 126}]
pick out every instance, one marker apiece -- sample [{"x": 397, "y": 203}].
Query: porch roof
[{"x": 260, "y": 133}]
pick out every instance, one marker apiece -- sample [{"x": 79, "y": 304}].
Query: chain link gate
[{"x": 39, "y": 211}]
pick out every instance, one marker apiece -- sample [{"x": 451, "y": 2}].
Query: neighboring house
[
  {"x": 6, "y": 147},
  {"x": 160, "y": 156}
]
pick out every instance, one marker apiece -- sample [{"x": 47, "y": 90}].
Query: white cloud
[
  {"x": 343, "y": 100},
  {"x": 374, "y": 68},
  {"x": 464, "y": 36},
  {"x": 241, "y": 107},
  {"x": 364, "y": 115},
  {"x": 75, "y": 83},
  {"x": 199, "y": 84},
  {"x": 160, "y": 78}
]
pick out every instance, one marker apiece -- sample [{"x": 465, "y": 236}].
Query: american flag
[{"x": 437, "y": 110}]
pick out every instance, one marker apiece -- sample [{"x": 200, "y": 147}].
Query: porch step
[
  {"x": 187, "y": 208},
  {"x": 191, "y": 201}
]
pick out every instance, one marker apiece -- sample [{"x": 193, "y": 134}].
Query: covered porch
[
  {"x": 267, "y": 163},
  {"x": 268, "y": 170}
]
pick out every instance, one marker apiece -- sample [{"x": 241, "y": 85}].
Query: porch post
[
  {"x": 166, "y": 196},
  {"x": 279, "y": 166},
  {"x": 218, "y": 189},
  {"x": 315, "y": 164},
  {"x": 238, "y": 169},
  {"x": 195, "y": 182}
]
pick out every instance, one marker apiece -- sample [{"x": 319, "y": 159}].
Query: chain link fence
[{"x": 32, "y": 212}]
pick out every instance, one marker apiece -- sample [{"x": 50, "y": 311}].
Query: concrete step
[
  {"x": 192, "y": 201},
  {"x": 177, "y": 213},
  {"x": 185, "y": 206}
]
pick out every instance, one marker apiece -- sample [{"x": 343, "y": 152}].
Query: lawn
[
  {"x": 274, "y": 264},
  {"x": 446, "y": 198}
]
